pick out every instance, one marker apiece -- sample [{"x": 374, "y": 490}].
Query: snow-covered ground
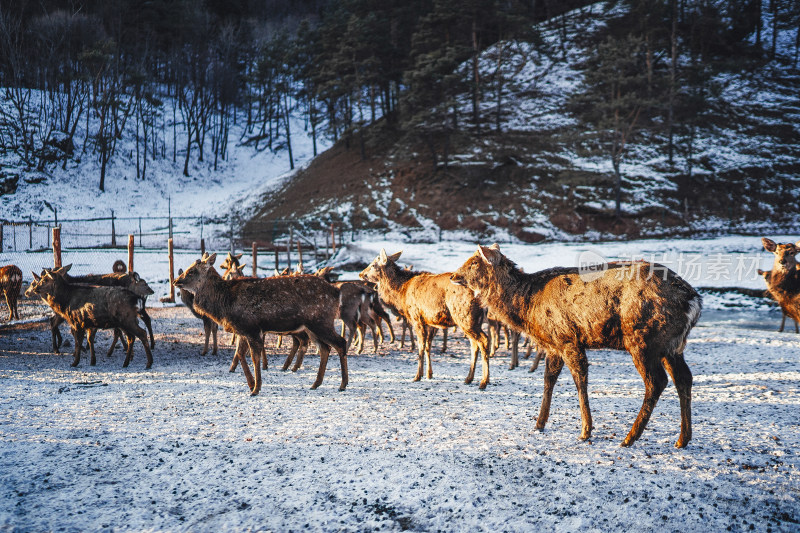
[{"x": 183, "y": 447}]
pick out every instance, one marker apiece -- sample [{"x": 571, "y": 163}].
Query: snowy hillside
[{"x": 542, "y": 175}]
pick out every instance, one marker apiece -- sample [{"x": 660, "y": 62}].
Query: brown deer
[
  {"x": 88, "y": 308},
  {"x": 430, "y": 301},
  {"x": 767, "y": 275},
  {"x": 251, "y": 307},
  {"x": 10, "y": 285},
  {"x": 640, "y": 307},
  {"x": 233, "y": 270},
  {"x": 210, "y": 328},
  {"x": 373, "y": 313},
  {"x": 784, "y": 278},
  {"x": 126, "y": 280}
]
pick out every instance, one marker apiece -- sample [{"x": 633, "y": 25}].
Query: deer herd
[{"x": 640, "y": 307}]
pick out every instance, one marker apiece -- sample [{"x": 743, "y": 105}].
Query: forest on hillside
[{"x": 188, "y": 70}]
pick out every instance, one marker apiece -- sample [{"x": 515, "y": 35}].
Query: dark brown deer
[
  {"x": 640, "y": 307},
  {"x": 87, "y": 308},
  {"x": 252, "y": 307},
  {"x": 784, "y": 279},
  {"x": 10, "y": 285},
  {"x": 210, "y": 328},
  {"x": 430, "y": 301},
  {"x": 126, "y": 280}
]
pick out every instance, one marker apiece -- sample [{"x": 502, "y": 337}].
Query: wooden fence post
[
  {"x": 113, "y": 231},
  {"x": 255, "y": 260},
  {"x": 276, "y": 259},
  {"x": 171, "y": 271},
  {"x": 56, "y": 247},
  {"x": 202, "y": 247},
  {"x": 130, "y": 253},
  {"x": 333, "y": 239},
  {"x": 299, "y": 257},
  {"x": 289, "y": 249}
]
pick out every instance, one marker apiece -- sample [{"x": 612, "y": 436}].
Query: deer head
[
  {"x": 785, "y": 254},
  {"x": 197, "y": 272}
]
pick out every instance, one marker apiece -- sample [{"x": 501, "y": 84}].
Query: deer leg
[
  {"x": 578, "y": 365},
  {"x": 421, "y": 333},
  {"x": 256, "y": 346},
  {"x": 207, "y": 327},
  {"x": 470, "y": 324},
  {"x": 9, "y": 304},
  {"x": 55, "y": 334},
  {"x": 552, "y": 369},
  {"x": 128, "y": 350},
  {"x": 376, "y": 328},
  {"x": 539, "y": 355},
  {"x": 514, "y": 351},
  {"x": 362, "y": 337},
  {"x": 375, "y": 334},
  {"x": 292, "y": 352},
  {"x": 92, "y": 358},
  {"x": 428, "y": 347},
  {"x": 783, "y": 323},
  {"x": 444, "y": 340},
  {"x": 77, "y": 335},
  {"x": 403, "y": 333},
  {"x": 117, "y": 335},
  {"x": 655, "y": 381},
  {"x": 325, "y": 338},
  {"x": 135, "y": 331},
  {"x": 682, "y": 377},
  {"x": 279, "y": 342},
  {"x": 148, "y": 323},
  {"x": 301, "y": 352},
  {"x": 237, "y": 355}
]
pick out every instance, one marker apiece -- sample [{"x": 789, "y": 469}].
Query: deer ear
[
  {"x": 489, "y": 254},
  {"x": 180, "y": 271},
  {"x": 210, "y": 259},
  {"x": 238, "y": 256},
  {"x": 382, "y": 258},
  {"x": 35, "y": 277},
  {"x": 769, "y": 244},
  {"x": 495, "y": 246},
  {"x": 63, "y": 270},
  {"x": 395, "y": 256}
]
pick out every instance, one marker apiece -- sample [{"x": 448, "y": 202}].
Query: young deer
[
  {"x": 430, "y": 301},
  {"x": 10, "y": 284},
  {"x": 640, "y": 307},
  {"x": 210, "y": 328},
  {"x": 126, "y": 280},
  {"x": 767, "y": 275},
  {"x": 88, "y": 308},
  {"x": 252, "y": 307},
  {"x": 783, "y": 282}
]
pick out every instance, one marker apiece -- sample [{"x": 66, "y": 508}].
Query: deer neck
[{"x": 390, "y": 286}]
